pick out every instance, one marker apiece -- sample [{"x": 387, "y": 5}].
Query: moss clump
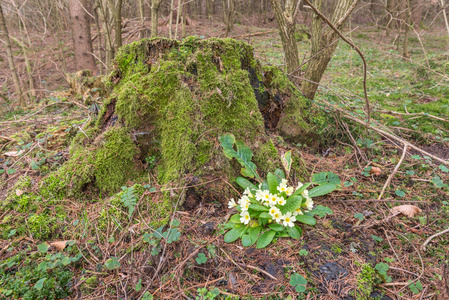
[
  {"x": 40, "y": 226},
  {"x": 22, "y": 185},
  {"x": 113, "y": 159}
]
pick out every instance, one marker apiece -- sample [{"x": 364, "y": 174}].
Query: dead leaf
[
  {"x": 407, "y": 210},
  {"x": 19, "y": 192},
  {"x": 375, "y": 171},
  {"x": 60, "y": 245},
  {"x": 13, "y": 153}
]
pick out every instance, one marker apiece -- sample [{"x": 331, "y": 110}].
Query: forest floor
[{"x": 67, "y": 250}]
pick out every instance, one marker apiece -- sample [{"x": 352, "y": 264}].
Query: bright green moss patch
[{"x": 114, "y": 159}]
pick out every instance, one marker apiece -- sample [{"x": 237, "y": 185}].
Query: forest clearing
[{"x": 205, "y": 149}]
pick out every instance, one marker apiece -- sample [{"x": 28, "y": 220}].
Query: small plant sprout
[
  {"x": 201, "y": 259},
  {"x": 272, "y": 208},
  {"x": 299, "y": 282}
]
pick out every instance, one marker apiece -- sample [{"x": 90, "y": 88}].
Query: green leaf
[
  {"x": 243, "y": 154},
  {"x": 301, "y": 189},
  {"x": 303, "y": 252},
  {"x": 244, "y": 183},
  {"x": 444, "y": 169},
  {"x": 299, "y": 282},
  {"x": 325, "y": 178},
  {"x": 265, "y": 239},
  {"x": 258, "y": 207},
  {"x": 399, "y": 193},
  {"x": 322, "y": 190},
  {"x": 34, "y": 165},
  {"x": 234, "y": 234},
  {"x": 138, "y": 285},
  {"x": 40, "y": 284},
  {"x": 272, "y": 183},
  {"x": 382, "y": 268},
  {"x": 292, "y": 203},
  {"x": 376, "y": 238},
  {"x": 306, "y": 219},
  {"x": 265, "y": 216},
  {"x": 359, "y": 216},
  {"x": 43, "y": 248},
  {"x": 11, "y": 171},
  {"x": 293, "y": 233},
  {"x": 112, "y": 264},
  {"x": 235, "y": 219},
  {"x": 42, "y": 266},
  {"x": 321, "y": 211},
  {"x": 147, "y": 296},
  {"x": 276, "y": 227},
  {"x": 254, "y": 234},
  {"x": 279, "y": 175},
  {"x": 246, "y": 240},
  {"x": 287, "y": 162},
  {"x": 66, "y": 261},
  {"x": 201, "y": 259}
]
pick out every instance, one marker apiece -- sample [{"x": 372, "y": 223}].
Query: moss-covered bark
[{"x": 171, "y": 101}]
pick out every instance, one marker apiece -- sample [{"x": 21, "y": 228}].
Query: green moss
[
  {"x": 114, "y": 159},
  {"x": 40, "y": 226},
  {"x": 266, "y": 157},
  {"x": 23, "y": 184}
]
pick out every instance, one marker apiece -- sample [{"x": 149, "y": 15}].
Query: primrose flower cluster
[{"x": 274, "y": 202}]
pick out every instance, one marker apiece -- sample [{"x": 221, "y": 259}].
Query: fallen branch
[
  {"x": 432, "y": 237},
  {"x": 387, "y": 183}
]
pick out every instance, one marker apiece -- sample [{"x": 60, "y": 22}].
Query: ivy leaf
[
  {"x": 112, "y": 264},
  {"x": 399, "y": 193},
  {"x": 322, "y": 190},
  {"x": 40, "y": 284},
  {"x": 325, "y": 178},
  {"x": 265, "y": 239},
  {"x": 321, "y": 211},
  {"x": 43, "y": 248},
  {"x": 243, "y": 154}
]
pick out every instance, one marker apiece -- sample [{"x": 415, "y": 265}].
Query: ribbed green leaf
[
  {"x": 265, "y": 239},
  {"x": 322, "y": 190},
  {"x": 258, "y": 207},
  {"x": 292, "y": 203},
  {"x": 306, "y": 219},
  {"x": 244, "y": 183},
  {"x": 272, "y": 183},
  {"x": 265, "y": 216},
  {"x": 301, "y": 189},
  {"x": 276, "y": 227},
  {"x": 234, "y": 234},
  {"x": 279, "y": 175},
  {"x": 293, "y": 232}
]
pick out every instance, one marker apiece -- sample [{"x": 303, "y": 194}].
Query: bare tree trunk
[
  {"x": 81, "y": 35},
  {"x": 390, "y": 12},
  {"x": 210, "y": 9},
  {"x": 408, "y": 24},
  {"x": 324, "y": 43},
  {"x": 286, "y": 19},
  {"x": 228, "y": 15},
  {"x": 118, "y": 24},
  {"x": 154, "y": 16},
  {"x": 10, "y": 57}
]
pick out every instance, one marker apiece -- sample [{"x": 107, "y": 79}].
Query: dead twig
[
  {"x": 387, "y": 183},
  {"x": 423, "y": 247}
]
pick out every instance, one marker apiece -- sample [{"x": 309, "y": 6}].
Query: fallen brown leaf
[
  {"x": 375, "y": 171},
  {"x": 19, "y": 192},
  {"x": 60, "y": 245},
  {"x": 13, "y": 153},
  {"x": 406, "y": 210}
]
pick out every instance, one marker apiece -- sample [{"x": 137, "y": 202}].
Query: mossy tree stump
[{"x": 171, "y": 101}]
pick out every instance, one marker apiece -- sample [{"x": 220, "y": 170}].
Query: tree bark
[
  {"x": 154, "y": 16},
  {"x": 408, "y": 24},
  {"x": 324, "y": 43},
  {"x": 81, "y": 36},
  {"x": 10, "y": 58},
  {"x": 286, "y": 19}
]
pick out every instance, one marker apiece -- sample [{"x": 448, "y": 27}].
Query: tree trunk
[
  {"x": 10, "y": 58},
  {"x": 82, "y": 41},
  {"x": 118, "y": 24},
  {"x": 408, "y": 24},
  {"x": 154, "y": 16},
  {"x": 228, "y": 15},
  {"x": 324, "y": 43},
  {"x": 286, "y": 19}
]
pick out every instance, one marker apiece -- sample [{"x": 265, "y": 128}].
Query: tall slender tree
[
  {"x": 82, "y": 40},
  {"x": 9, "y": 54}
]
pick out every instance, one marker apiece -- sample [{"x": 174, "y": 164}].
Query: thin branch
[
  {"x": 387, "y": 183},
  {"x": 348, "y": 41}
]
